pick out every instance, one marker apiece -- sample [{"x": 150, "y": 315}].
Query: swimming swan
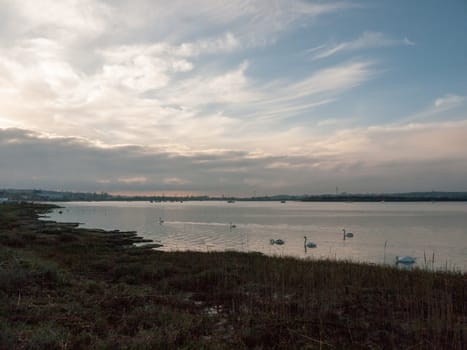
[
  {"x": 407, "y": 260},
  {"x": 277, "y": 241},
  {"x": 347, "y": 234},
  {"x": 309, "y": 244}
]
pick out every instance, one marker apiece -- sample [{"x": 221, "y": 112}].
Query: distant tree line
[{"x": 390, "y": 197}]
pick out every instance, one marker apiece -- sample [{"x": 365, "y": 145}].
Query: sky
[{"x": 237, "y": 98}]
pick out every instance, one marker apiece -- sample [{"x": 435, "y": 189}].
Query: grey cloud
[{"x": 29, "y": 159}]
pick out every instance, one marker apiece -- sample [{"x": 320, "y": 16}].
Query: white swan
[
  {"x": 347, "y": 234},
  {"x": 309, "y": 244},
  {"x": 277, "y": 241},
  {"x": 406, "y": 260}
]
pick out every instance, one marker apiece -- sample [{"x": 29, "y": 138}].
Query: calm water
[{"x": 417, "y": 229}]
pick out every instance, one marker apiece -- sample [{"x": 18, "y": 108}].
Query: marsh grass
[{"x": 74, "y": 288}]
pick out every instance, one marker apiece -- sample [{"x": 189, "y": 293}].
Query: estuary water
[{"x": 434, "y": 233}]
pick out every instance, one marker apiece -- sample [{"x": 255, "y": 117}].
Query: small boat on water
[{"x": 230, "y": 201}]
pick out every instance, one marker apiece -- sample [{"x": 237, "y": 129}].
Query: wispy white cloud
[
  {"x": 284, "y": 99},
  {"x": 231, "y": 86},
  {"x": 449, "y": 101},
  {"x": 252, "y": 22},
  {"x": 366, "y": 41},
  {"x": 226, "y": 43},
  {"x": 339, "y": 77},
  {"x": 437, "y": 109}
]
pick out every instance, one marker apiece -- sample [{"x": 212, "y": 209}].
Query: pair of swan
[
  {"x": 311, "y": 244},
  {"x": 281, "y": 242}
]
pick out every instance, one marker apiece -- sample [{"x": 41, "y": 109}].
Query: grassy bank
[{"x": 67, "y": 288}]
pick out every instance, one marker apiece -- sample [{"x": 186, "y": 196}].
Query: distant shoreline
[
  {"x": 67, "y": 196},
  {"x": 384, "y": 199},
  {"x": 317, "y": 200}
]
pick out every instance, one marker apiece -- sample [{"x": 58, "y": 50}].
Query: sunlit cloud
[
  {"x": 69, "y": 77},
  {"x": 175, "y": 181},
  {"x": 67, "y": 19},
  {"x": 133, "y": 180}
]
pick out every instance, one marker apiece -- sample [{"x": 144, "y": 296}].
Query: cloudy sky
[{"x": 233, "y": 97}]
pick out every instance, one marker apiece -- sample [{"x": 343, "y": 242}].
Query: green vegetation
[{"x": 67, "y": 288}]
